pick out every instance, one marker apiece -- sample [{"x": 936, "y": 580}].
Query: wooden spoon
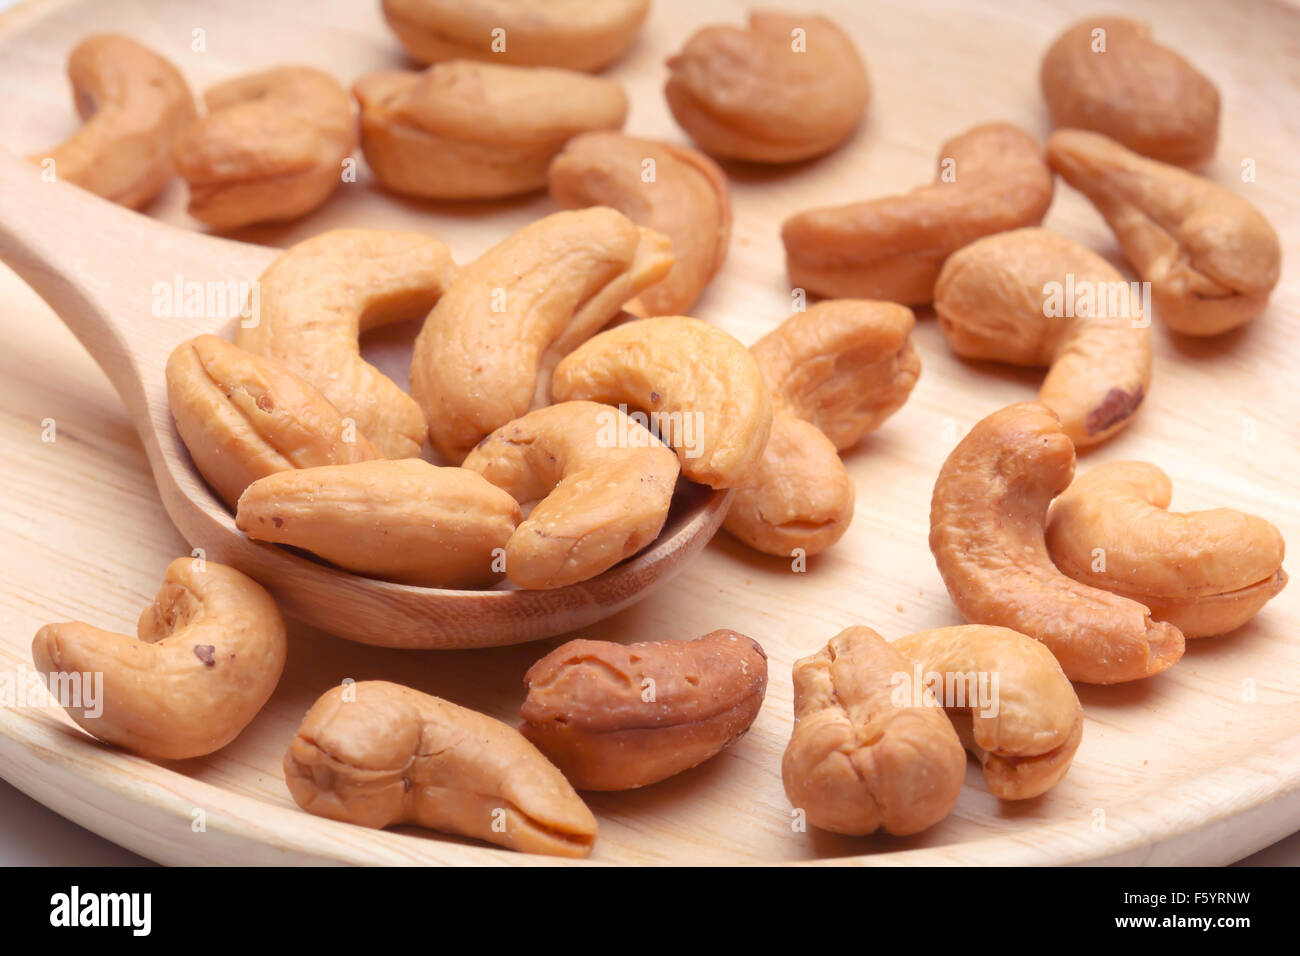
[{"x": 102, "y": 269}]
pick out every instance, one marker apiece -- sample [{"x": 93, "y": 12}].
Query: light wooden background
[{"x": 1184, "y": 767}]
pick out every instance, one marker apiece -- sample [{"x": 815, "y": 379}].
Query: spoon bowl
[{"x": 115, "y": 278}]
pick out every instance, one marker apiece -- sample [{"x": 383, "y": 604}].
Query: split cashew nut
[{"x": 208, "y": 655}]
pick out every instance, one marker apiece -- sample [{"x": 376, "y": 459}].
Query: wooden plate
[{"x": 1201, "y": 764}]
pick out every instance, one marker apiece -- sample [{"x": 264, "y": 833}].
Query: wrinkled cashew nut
[
  {"x": 603, "y": 484},
  {"x": 836, "y": 371},
  {"x": 1205, "y": 572},
  {"x": 991, "y": 178},
  {"x": 465, "y": 130},
  {"x": 271, "y": 147},
  {"x": 485, "y": 353},
  {"x": 619, "y": 716},
  {"x": 861, "y": 757},
  {"x": 208, "y": 655},
  {"x": 993, "y": 302},
  {"x": 1026, "y": 732},
  {"x": 686, "y": 198},
  {"x": 986, "y": 532},
  {"x": 786, "y": 88},
  {"x": 378, "y": 754},
  {"x": 701, "y": 388},
  {"x": 321, "y": 295},
  {"x": 573, "y": 34},
  {"x": 406, "y": 521},
  {"x": 134, "y": 103},
  {"x": 1211, "y": 257},
  {"x": 243, "y": 417},
  {"x": 1139, "y": 93}
]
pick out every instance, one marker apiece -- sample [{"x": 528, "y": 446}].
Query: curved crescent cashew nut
[
  {"x": 701, "y": 388},
  {"x": 785, "y": 88},
  {"x": 243, "y": 417},
  {"x": 464, "y": 130},
  {"x": 993, "y": 303},
  {"x": 134, "y": 103},
  {"x": 322, "y": 294},
  {"x": 1205, "y": 572},
  {"x": 991, "y": 178},
  {"x": 1014, "y": 708},
  {"x": 603, "y": 485},
  {"x": 573, "y": 34},
  {"x": 270, "y": 148},
  {"x": 406, "y": 521},
  {"x": 1211, "y": 257},
  {"x": 378, "y": 754},
  {"x": 486, "y": 351},
  {"x": 986, "y": 532},
  {"x": 861, "y": 757},
  {"x": 209, "y": 654},
  {"x": 677, "y": 191}
]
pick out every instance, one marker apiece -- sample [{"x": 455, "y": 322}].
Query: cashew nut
[
  {"x": 378, "y": 754},
  {"x": 993, "y": 302},
  {"x": 271, "y": 147},
  {"x": 322, "y": 294},
  {"x": 701, "y": 388},
  {"x": 1106, "y": 74},
  {"x": 618, "y": 716},
  {"x": 603, "y": 483},
  {"x": 1206, "y": 573},
  {"x": 486, "y": 351},
  {"x": 466, "y": 130},
  {"x": 836, "y": 372},
  {"x": 1026, "y": 732},
  {"x": 986, "y": 532},
  {"x": 244, "y": 417},
  {"x": 406, "y": 521},
  {"x": 134, "y": 103},
  {"x": 788, "y": 87},
  {"x": 991, "y": 178},
  {"x": 671, "y": 189},
  {"x": 863, "y": 756},
  {"x": 574, "y": 34},
  {"x": 1211, "y": 258},
  {"x": 208, "y": 654}
]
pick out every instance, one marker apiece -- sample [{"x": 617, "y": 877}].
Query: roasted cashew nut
[
  {"x": 1211, "y": 257},
  {"x": 991, "y": 178},
  {"x": 466, "y": 130},
  {"x": 378, "y": 754},
  {"x": 485, "y": 353},
  {"x": 1205, "y": 572},
  {"x": 134, "y": 103},
  {"x": 619, "y": 716},
  {"x": 671, "y": 189},
  {"x": 1012, "y": 705},
  {"x": 701, "y": 388},
  {"x": 603, "y": 484},
  {"x": 1106, "y": 74},
  {"x": 836, "y": 372},
  {"x": 863, "y": 757},
  {"x": 993, "y": 302},
  {"x": 573, "y": 34},
  {"x": 406, "y": 521},
  {"x": 270, "y": 148},
  {"x": 986, "y": 532},
  {"x": 208, "y": 655},
  {"x": 788, "y": 87},
  {"x": 322, "y": 294},
  {"x": 243, "y": 417}
]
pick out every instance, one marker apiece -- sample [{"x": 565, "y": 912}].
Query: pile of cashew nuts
[{"x": 566, "y": 396}]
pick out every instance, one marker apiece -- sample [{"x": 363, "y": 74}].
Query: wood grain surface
[{"x": 1201, "y": 764}]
